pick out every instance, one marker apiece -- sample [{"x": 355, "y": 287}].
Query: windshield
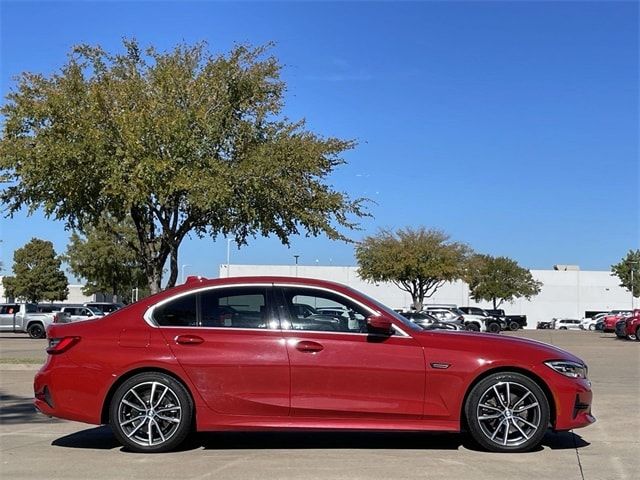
[{"x": 405, "y": 321}]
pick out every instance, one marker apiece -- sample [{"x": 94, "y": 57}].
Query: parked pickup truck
[
  {"x": 514, "y": 322},
  {"x": 25, "y": 318}
]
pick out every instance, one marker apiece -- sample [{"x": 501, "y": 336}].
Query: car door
[
  {"x": 338, "y": 369},
  {"x": 231, "y": 347},
  {"x": 7, "y": 316}
]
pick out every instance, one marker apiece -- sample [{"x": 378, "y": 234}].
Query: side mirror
[{"x": 379, "y": 325}]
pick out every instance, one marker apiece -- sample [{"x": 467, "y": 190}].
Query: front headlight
[{"x": 568, "y": 368}]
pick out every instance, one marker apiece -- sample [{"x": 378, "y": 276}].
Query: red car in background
[
  {"x": 633, "y": 325},
  {"x": 246, "y": 353},
  {"x": 609, "y": 322}
]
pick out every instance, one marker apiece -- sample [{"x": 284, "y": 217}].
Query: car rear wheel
[
  {"x": 592, "y": 327},
  {"x": 562, "y": 328},
  {"x": 151, "y": 412},
  {"x": 473, "y": 327},
  {"x": 36, "y": 330},
  {"x": 513, "y": 326},
  {"x": 493, "y": 327},
  {"x": 507, "y": 412}
]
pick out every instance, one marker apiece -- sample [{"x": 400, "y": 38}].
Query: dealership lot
[{"x": 33, "y": 446}]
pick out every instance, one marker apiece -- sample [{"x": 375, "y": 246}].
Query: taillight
[
  {"x": 59, "y": 345},
  {"x": 56, "y": 318},
  {"x": 461, "y": 318}
]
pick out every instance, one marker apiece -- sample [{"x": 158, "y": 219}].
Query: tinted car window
[
  {"x": 236, "y": 308},
  {"x": 327, "y": 312},
  {"x": 180, "y": 312}
]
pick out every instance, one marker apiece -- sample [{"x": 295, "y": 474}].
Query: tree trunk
[
  {"x": 173, "y": 266},
  {"x": 417, "y": 302},
  {"x": 154, "y": 278},
  {"x": 494, "y": 303}
]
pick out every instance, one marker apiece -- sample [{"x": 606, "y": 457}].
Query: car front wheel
[
  {"x": 507, "y": 412},
  {"x": 513, "y": 326},
  {"x": 151, "y": 412}
]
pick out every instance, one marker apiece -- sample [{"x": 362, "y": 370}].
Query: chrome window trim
[{"x": 148, "y": 314}]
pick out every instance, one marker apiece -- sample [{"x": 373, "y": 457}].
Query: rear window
[{"x": 180, "y": 312}]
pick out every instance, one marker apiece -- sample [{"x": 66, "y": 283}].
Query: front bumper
[{"x": 573, "y": 399}]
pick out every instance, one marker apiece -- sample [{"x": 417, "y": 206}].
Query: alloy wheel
[
  {"x": 509, "y": 414},
  {"x": 149, "y": 413}
]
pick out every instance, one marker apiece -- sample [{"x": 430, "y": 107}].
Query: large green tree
[
  {"x": 37, "y": 274},
  {"x": 102, "y": 257},
  {"x": 630, "y": 262},
  {"x": 418, "y": 261},
  {"x": 179, "y": 141},
  {"x": 499, "y": 279}
]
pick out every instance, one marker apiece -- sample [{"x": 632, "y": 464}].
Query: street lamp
[
  {"x": 228, "y": 256},
  {"x": 183, "y": 267},
  {"x": 632, "y": 263},
  {"x": 296, "y": 257}
]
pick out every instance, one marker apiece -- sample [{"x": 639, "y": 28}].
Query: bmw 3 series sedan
[{"x": 261, "y": 353}]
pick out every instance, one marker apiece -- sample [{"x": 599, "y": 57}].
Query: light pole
[
  {"x": 228, "y": 256},
  {"x": 633, "y": 264},
  {"x": 182, "y": 269},
  {"x": 296, "y": 257}
]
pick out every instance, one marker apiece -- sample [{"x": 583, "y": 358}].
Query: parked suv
[
  {"x": 609, "y": 324},
  {"x": 633, "y": 325},
  {"x": 479, "y": 320},
  {"x": 514, "y": 322},
  {"x": 567, "y": 324}
]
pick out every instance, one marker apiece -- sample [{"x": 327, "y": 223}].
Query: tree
[
  {"x": 418, "y": 261},
  {"x": 629, "y": 263},
  {"x": 499, "y": 279},
  {"x": 102, "y": 257},
  {"x": 37, "y": 273},
  {"x": 178, "y": 142}
]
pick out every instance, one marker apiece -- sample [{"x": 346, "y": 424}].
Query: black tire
[
  {"x": 494, "y": 327},
  {"x": 170, "y": 416},
  {"x": 472, "y": 327},
  {"x": 520, "y": 437},
  {"x": 513, "y": 326},
  {"x": 592, "y": 327},
  {"x": 562, "y": 328},
  {"x": 36, "y": 330}
]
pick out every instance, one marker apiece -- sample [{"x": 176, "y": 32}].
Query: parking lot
[{"x": 35, "y": 447}]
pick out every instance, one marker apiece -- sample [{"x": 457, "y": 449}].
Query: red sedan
[{"x": 291, "y": 353}]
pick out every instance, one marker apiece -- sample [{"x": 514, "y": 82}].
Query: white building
[
  {"x": 566, "y": 293},
  {"x": 75, "y": 295}
]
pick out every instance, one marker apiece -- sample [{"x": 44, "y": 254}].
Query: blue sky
[{"x": 513, "y": 126}]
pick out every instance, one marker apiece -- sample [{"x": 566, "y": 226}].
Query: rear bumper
[{"x": 65, "y": 392}]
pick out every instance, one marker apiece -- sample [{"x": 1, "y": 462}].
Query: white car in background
[
  {"x": 567, "y": 324},
  {"x": 590, "y": 323},
  {"x": 76, "y": 314}
]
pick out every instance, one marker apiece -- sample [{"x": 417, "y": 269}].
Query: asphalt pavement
[{"x": 36, "y": 447}]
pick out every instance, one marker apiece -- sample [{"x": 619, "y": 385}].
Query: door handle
[
  {"x": 307, "y": 346},
  {"x": 189, "y": 339}
]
